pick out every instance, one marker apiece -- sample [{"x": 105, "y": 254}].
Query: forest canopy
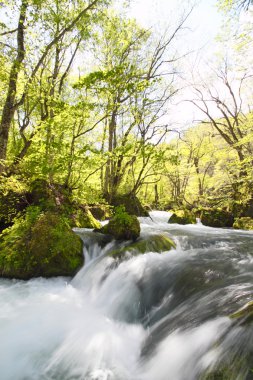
[{"x": 86, "y": 101}]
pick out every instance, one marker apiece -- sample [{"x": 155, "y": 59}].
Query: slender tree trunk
[
  {"x": 109, "y": 171},
  {"x": 9, "y": 105}
]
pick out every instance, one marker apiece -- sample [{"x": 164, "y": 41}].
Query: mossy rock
[
  {"x": 215, "y": 217},
  {"x": 101, "y": 211},
  {"x": 83, "y": 218},
  {"x": 154, "y": 243},
  {"x": 182, "y": 217},
  {"x": 49, "y": 196},
  {"x": 131, "y": 203},
  {"x": 245, "y": 223},
  {"x": 122, "y": 226},
  {"x": 244, "y": 314},
  {"x": 40, "y": 244}
]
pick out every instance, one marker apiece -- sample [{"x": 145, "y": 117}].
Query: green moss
[
  {"x": 182, "y": 217},
  {"x": 122, "y": 226},
  {"x": 244, "y": 223},
  {"x": 155, "y": 243},
  {"x": 40, "y": 244},
  {"x": 83, "y": 218}
]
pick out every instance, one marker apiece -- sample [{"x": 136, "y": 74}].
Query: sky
[
  {"x": 204, "y": 22},
  {"x": 203, "y": 26}
]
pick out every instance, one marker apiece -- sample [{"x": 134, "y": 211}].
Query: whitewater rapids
[{"x": 151, "y": 317}]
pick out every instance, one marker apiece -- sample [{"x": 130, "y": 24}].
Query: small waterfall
[{"x": 152, "y": 316}]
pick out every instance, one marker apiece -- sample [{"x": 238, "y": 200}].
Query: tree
[
  {"x": 237, "y": 5},
  {"x": 130, "y": 85},
  {"x": 226, "y": 106},
  {"x": 54, "y": 21}
]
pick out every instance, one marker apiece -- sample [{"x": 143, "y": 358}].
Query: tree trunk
[{"x": 9, "y": 105}]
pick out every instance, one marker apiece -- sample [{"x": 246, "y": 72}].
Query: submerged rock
[
  {"x": 122, "y": 226},
  {"x": 244, "y": 223},
  {"x": 154, "y": 243},
  {"x": 244, "y": 314},
  {"x": 40, "y": 244}
]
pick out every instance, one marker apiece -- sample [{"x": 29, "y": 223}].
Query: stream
[{"x": 150, "y": 317}]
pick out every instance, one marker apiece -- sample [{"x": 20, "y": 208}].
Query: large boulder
[
  {"x": 40, "y": 244},
  {"x": 122, "y": 226},
  {"x": 182, "y": 217},
  {"x": 154, "y": 243},
  {"x": 245, "y": 223},
  {"x": 215, "y": 217},
  {"x": 131, "y": 203}
]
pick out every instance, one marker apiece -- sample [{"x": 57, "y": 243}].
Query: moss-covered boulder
[
  {"x": 215, "y": 217},
  {"x": 154, "y": 243},
  {"x": 40, "y": 244},
  {"x": 131, "y": 203},
  {"x": 182, "y": 217},
  {"x": 122, "y": 226},
  {"x": 245, "y": 223},
  {"x": 83, "y": 218}
]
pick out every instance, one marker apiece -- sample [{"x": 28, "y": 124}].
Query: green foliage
[{"x": 244, "y": 223}]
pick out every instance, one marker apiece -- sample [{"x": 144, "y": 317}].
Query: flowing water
[{"x": 151, "y": 317}]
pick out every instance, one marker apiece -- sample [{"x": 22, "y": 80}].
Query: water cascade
[{"x": 150, "y": 317}]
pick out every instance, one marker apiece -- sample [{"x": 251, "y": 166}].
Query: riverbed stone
[
  {"x": 154, "y": 243},
  {"x": 40, "y": 244}
]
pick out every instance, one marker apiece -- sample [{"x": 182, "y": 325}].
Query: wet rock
[
  {"x": 244, "y": 223},
  {"x": 155, "y": 243},
  {"x": 245, "y": 314},
  {"x": 40, "y": 244}
]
